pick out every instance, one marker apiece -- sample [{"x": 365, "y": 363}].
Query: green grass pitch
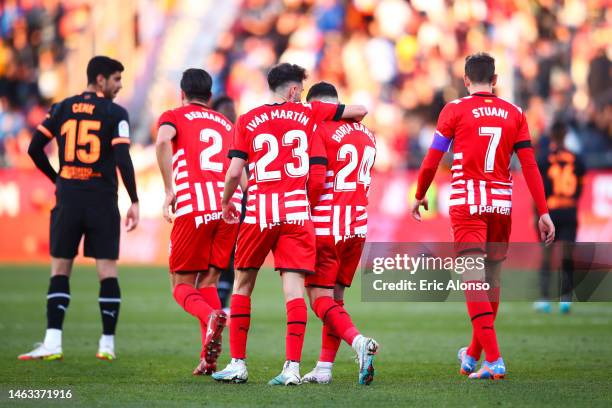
[{"x": 552, "y": 360}]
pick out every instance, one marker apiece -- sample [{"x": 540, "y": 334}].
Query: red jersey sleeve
[
  {"x": 447, "y": 120},
  {"x": 316, "y": 151},
  {"x": 239, "y": 147},
  {"x": 326, "y": 111},
  {"x": 523, "y": 138},
  {"x": 167, "y": 118}
]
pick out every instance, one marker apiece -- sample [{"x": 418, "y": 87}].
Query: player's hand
[
  {"x": 132, "y": 217},
  {"x": 547, "y": 229},
  {"x": 416, "y": 213},
  {"x": 230, "y": 214},
  {"x": 169, "y": 205}
]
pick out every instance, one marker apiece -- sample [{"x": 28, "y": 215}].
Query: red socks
[
  {"x": 240, "y": 315},
  {"x": 481, "y": 313},
  {"x": 211, "y": 296},
  {"x": 330, "y": 341},
  {"x": 336, "y": 318},
  {"x": 297, "y": 315},
  {"x": 475, "y": 348},
  {"x": 192, "y": 301}
]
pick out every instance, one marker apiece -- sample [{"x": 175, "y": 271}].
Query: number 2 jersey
[
  {"x": 342, "y": 208},
  {"x": 277, "y": 142},
  {"x": 86, "y": 127},
  {"x": 485, "y": 130},
  {"x": 199, "y": 162}
]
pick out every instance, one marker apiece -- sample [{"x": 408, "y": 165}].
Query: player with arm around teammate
[
  {"x": 276, "y": 141},
  {"x": 338, "y": 193}
]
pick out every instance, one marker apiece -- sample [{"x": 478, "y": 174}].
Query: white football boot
[{"x": 235, "y": 371}]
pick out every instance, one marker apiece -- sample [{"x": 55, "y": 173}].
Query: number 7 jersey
[
  {"x": 342, "y": 208},
  {"x": 199, "y": 160},
  {"x": 485, "y": 130}
]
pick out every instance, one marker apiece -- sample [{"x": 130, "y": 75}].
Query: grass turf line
[{"x": 552, "y": 360}]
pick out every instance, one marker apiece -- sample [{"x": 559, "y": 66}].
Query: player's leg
[
  {"x": 567, "y": 236},
  {"x": 240, "y": 315},
  {"x": 294, "y": 256},
  {"x": 109, "y": 301},
  {"x": 321, "y": 284},
  {"x": 66, "y": 230},
  {"x": 470, "y": 236},
  {"x": 252, "y": 248},
  {"x": 483, "y": 317},
  {"x": 543, "y": 305},
  {"x": 102, "y": 233},
  {"x": 211, "y": 348}
]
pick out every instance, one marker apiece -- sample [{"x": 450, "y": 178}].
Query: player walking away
[
  {"x": 192, "y": 146},
  {"x": 563, "y": 172},
  {"x": 225, "y": 105},
  {"x": 486, "y": 131},
  {"x": 276, "y": 140},
  {"x": 92, "y": 135},
  {"x": 338, "y": 194}
]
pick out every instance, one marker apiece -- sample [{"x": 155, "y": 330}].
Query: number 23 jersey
[
  {"x": 199, "y": 160},
  {"x": 276, "y": 140},
  {"x": 485, "y": 130}
]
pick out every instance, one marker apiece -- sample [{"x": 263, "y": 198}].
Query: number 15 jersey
[
  {"x": 199, "y": 160},
  {"x": 277, "y": 142},
  {"x": 485, "y": 130}
]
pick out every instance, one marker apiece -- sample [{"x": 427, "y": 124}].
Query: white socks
[
  {"x": 53, "y": 339},
  {"x": 356, "y": 341},
  {"x": 107, "y": 342},
  {"x": 324, "y": 366},
  {"x": 293, "y": 366}
]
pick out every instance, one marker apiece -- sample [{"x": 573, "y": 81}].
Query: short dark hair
[
  {"x": 101, "y": 65},
  {"x": 558, "y": 130},
  {"x": 480, "y": 68},
  {"x": 220, "y": 101},
  {"x": 283, "y": 73},
  {"x": 196, "y": 84},
  {"x": 321, "y": 89}
]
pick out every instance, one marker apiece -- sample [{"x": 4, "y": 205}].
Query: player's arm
[
  {"x": 427, "y": 172},
  {"x": 355, "y": 112},
  {"x": 36, "y": 150},
  {"x": 121, "y": 150},
  {"x": 533, "y": 178},
  {"x": 318, "y": 166},
  {"x": 232, "y": 178},
  {"x": 235, "y": 174},
  {"x": 42, "y": 136},
  {"x": 163, "y": 150},
  {"x": 330, "y": 111}
]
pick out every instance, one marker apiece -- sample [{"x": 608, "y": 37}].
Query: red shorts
[
  {"x": 336, "y": 261},
  {"x": 487, "y": 233},
  {"x": 293, "y": 246},
  {"x": 194, "y": 249}
]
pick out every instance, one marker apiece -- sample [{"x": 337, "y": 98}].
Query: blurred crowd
[{"x": 404, "y": 60}]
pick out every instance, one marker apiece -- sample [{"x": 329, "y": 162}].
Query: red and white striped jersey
[
  {"x": 199, "y": 160},
  {"x": 486, "y": 130},
  {"x": 277, "y": 142},
  {"x": 351, "y": 151}
]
